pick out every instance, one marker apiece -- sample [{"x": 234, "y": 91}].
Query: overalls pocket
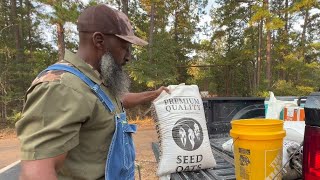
[{"x": 128, "y": 146}]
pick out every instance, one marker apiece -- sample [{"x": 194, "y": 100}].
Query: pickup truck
[{"x": 219, "y": 112}]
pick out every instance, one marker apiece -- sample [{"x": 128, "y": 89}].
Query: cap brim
[{"x": 133, "y": 40}]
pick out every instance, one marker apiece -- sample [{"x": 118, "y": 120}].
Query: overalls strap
[{"x": 106, "y": 101}]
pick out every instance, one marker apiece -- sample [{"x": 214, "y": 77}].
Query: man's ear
[{"x": 98, "y": 40}]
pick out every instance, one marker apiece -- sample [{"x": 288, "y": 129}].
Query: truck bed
[{"x": 223, "y": 171}]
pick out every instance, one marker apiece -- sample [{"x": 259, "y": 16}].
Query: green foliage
[
  {"x": 260, "y": 14},
  {"x": 304, "y": 4},
  {"x": 161, "y": 69},
  {"x": 263, "y": 94},
  {"x": 15, "y": 116},
  {"x": 275, "y": 23},
  {"x": 304, "y": 91},
  {"x": 284, "y": 88},
  {"x": 164, "y": 61},
  {"x": 18, "y": 67}
]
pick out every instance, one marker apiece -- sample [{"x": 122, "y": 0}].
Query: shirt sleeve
[{"x": 51, "y": 121}]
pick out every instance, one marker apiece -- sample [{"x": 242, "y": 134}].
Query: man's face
[
  {"x": 113, "y": 75},
  {"x": 119, "y": 49}
]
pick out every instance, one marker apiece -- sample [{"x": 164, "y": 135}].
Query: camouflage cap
[{"x": 104, "y": 19}]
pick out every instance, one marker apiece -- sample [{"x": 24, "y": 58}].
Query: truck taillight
[{"x": 311, "y": 153}]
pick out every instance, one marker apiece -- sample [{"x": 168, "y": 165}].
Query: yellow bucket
[{"x": 257, "y": 148}]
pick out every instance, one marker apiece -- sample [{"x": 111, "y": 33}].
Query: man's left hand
[{"x": 159, "y": 91}]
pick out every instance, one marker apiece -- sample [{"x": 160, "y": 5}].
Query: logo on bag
[{"x": 187, "y": 134}]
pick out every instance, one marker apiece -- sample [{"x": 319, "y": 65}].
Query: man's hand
[
  {"x": 131, "y": 100},
  {"x": 41, "y": 169},
  {"x": 159, "y": 91}
]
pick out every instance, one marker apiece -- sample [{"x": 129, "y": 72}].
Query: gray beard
[{"x": 115, "y": 78}]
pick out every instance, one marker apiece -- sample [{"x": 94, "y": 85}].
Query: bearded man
[{"x": 74, "y": 125}]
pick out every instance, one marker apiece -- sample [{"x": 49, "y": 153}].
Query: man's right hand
[{"x": 41, "y": 169}]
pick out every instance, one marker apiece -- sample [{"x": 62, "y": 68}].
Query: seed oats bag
[{"x": 182, "y": 130}]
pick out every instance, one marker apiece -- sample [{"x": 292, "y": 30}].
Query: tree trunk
[
  {"x": 2, "y": 113},
  {"x": 125, "y": 6},
  {"x": 16, "y": 29},
  {"x": 286, "y": 17},
  {"x": 252, "y": 80},
  {"x": 268, "y": 50},
  {"x": 303, "y": 36},
  {"x": 227, "y": 80},
  {"x": 259, "y": 58},
  {"x": 2, "y": 106},
  {"x": 151, "y": 30},
  {"x": 21, "y": 29},
  {"x": 268, "y": 63},
  {"x": 3, "y": 97},
  {"x": 285, "y": 34},
  {"x": 180, "y": 76},
  {"x": 5, "y": 111},
  {"x": 232, "y": 91},
  {"x": 176, "y": 25},
  {"x": 61, "y": 43},
  {"x": 4, "y": 87},
  {"x": 29, "y": 26}
]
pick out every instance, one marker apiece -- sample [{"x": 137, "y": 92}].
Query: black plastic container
[{"x": 312, "y": 109}]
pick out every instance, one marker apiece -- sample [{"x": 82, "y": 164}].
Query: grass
[{"x": 146, "y": 121}]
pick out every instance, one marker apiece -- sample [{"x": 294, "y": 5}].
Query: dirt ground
[
  {"x": 9, "y": 150},
  {"x": 9, "y": 147},
  {"x": 144, "y": 155}
]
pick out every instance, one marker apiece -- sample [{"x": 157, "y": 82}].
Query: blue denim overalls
[{"x": 121, "y": 155}]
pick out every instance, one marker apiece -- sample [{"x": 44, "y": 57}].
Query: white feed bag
[
  {"x": 228, "y": 146},
  {"x": 295, "y": 130},
  {"x": 182, "y": 130}
]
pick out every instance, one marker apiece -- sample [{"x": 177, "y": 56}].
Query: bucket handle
[{"x": 233, "y": 143}]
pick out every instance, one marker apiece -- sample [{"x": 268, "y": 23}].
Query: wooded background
[{"x": 250, "y": 46}]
